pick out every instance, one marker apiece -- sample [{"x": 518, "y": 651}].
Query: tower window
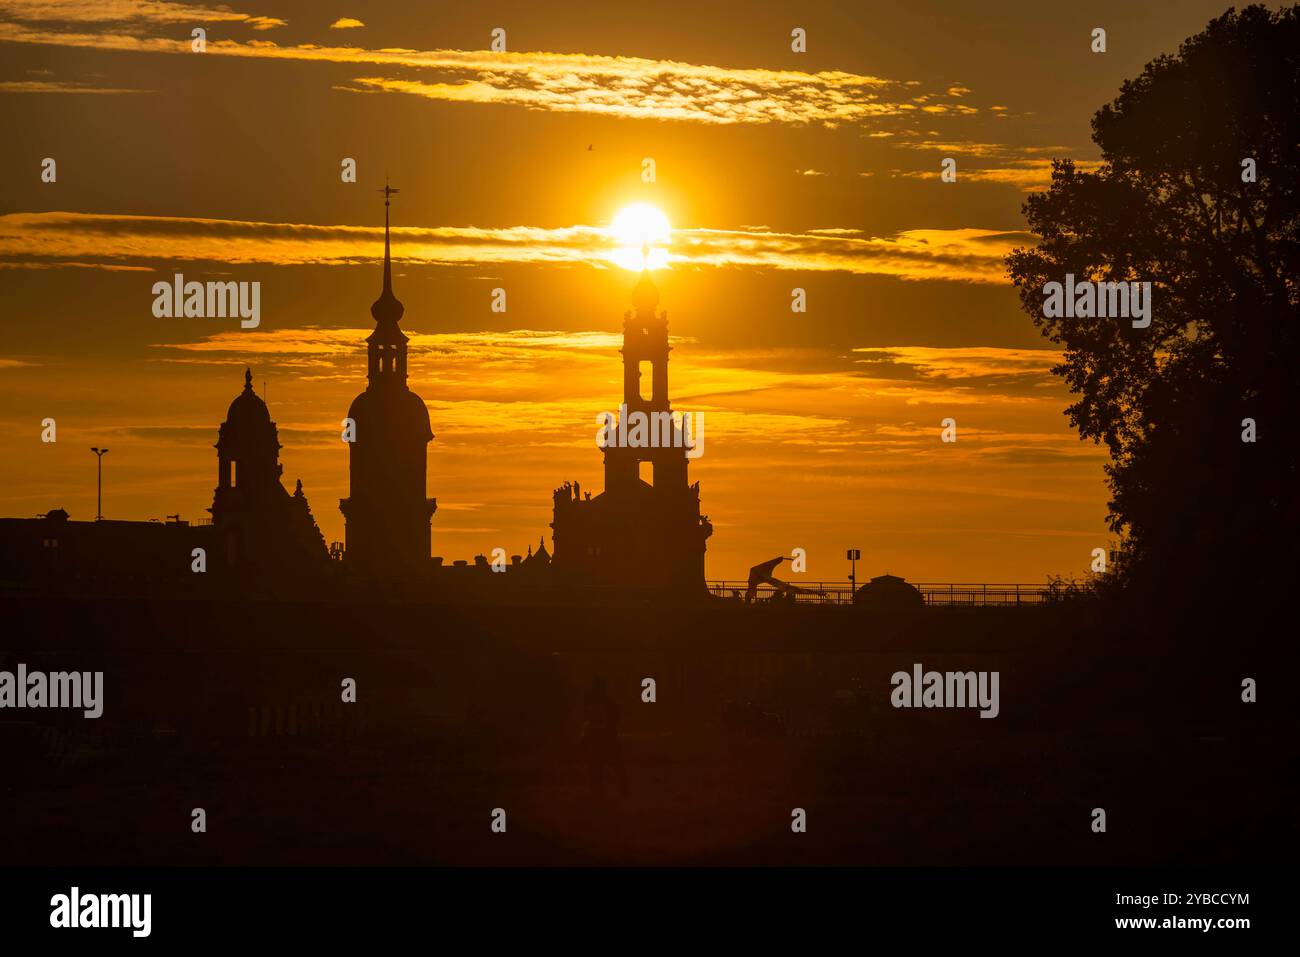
[
  {"x": 233, "y": 469},
  {"x": 646, "y": 371},
  {"x": 646, "y": 472}
]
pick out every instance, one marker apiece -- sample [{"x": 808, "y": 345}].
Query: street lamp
[
  {"x": 853, "y": 556},
  {"x": 99, "y": 484}
]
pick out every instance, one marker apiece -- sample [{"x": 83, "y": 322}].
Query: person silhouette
[{"x": 600, "y": 738}]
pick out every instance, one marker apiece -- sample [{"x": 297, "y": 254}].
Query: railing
[{"x": 958, "y": 594}]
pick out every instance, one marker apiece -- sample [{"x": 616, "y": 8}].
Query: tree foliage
[{"x": 1169, "y": 206}]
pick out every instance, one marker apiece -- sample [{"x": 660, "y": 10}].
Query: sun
[{"x": 641, "y": 231}]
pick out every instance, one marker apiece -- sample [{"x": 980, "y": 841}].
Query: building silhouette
[
  {"x": 644, "y": 532},
  {"x": 53, "y": 553},
  {"x": 259, "y": 526},
  {"x": 261, "y": 539},
  {"x": 645, "y": 529},
  {"x": 386, "y": 515}
]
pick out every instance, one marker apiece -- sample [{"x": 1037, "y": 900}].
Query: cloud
[
  {"x": 967, "y": 255},
  {"x": 70, "y": 264},
  {"x": 808, "y": 397},
  {"x": 60, "y": 86},
  {"x": 624, "y": 86},
  {"x": 958, "y": 147},
  {"x": 346, "y": 23},
  {"x": 125, "y": 11},
  {"x": 652, "y": 89},
  {"x": 1025, "y": 174},
  {"x": 957, "y": 109},
  {"x": 966, "y": 376},
  {"x": 967, "y": 362},
  {"x": 313, "y": 342},
  {"x": 1027, "y": 168}
]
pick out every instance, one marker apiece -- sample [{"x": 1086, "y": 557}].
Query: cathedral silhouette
[{"x": 644, "y": 533}]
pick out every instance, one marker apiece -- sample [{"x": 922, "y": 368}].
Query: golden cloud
[
  {"x": 119, "y": 11},
  {"x": 60, "y": 86},
  {"x": 1025, "y": 174},
  {"x": 967, "y": 255},
  {"x": 567, "y": 82}
]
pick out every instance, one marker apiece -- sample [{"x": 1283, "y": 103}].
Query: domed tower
[
  {"x": 387, "y": 516},
  {"x": 248, "y": 453},
  {"x": 259, "y": 525}
]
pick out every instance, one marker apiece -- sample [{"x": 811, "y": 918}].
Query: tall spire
[
  {"x": 387, "y": 307},
  {"x": 388, "y": 260}
]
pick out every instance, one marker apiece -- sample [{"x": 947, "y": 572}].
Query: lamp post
[
  {"x": 99, "y": 484},
  {"x": 853, "y": 556}
]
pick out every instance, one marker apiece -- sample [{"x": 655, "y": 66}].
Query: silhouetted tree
[{"x": 1171, "y": 205}]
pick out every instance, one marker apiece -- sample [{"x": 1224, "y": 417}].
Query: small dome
[
  {"x": 889, "y": 592},
  {"x": 645, "y": 296},
  {"x": 248, "y": 409},
  {"x": 387, "y": 308}
]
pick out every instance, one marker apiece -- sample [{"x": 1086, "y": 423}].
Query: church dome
[
  {"x": 248, "y": 409},
  {"x": 395, "y": 412}
]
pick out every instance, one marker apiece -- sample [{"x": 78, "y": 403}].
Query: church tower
[
  {"x": 261, "y": 528},
  {"x": 386, "y": 516},
  {"x": 645, "y": 531},
  {"x": 645, "y": 389}
]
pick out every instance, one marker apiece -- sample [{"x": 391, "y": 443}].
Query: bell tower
[
  {"x": 645, "y": 389},
  {"x": 386, "y": 515},
  {"x": 645, "y": 530}
]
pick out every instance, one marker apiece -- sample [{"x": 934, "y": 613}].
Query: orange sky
[{"x": 777, "y": 170}]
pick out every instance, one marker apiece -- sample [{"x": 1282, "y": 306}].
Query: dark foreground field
[{"x": 236, "y": 709}]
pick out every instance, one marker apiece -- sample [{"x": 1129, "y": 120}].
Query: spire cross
[{"x": 388, "y": 191}]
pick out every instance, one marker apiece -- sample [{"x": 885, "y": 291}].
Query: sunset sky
[{"x": 776, "y": 169}]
